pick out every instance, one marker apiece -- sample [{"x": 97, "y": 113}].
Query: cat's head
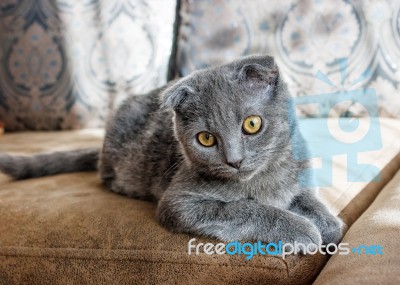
[{"x": 230, "y": 120}]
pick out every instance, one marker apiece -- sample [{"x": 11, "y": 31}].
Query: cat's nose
[{"x": 235, "y": 164}]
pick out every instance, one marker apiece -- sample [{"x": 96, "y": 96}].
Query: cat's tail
[{"x": 23, "y": 167}]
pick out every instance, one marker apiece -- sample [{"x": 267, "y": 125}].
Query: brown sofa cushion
[
  {"x": 69, "y": 228},
  {"x": 380, "y": 224}
]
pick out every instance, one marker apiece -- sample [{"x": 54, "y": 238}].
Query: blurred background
[{"x": 68, "y": 64}]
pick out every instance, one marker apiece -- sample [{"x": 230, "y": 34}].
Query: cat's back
[
  {"x": 132, "y": 117},
  {"x": 140, "y": 149}
]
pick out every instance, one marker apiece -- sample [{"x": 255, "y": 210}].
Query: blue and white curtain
[
  {"x": 322, "y": 46},
  {"x": 65, "y": 64}
]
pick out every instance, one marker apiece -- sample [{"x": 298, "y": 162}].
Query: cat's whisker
[{"x": 172, "y": 168}]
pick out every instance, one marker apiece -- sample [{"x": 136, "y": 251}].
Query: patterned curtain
[
  {"x": 66, "y": 64},
  {"x": 322, "y": 46}
]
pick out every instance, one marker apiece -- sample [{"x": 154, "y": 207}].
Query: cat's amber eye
[
  {"x": 206, "y": 139},
  {"x": 252, "y": 125}
]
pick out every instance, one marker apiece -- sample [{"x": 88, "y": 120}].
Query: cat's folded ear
[
  {"x": 176, "y": 95},
  {"x": 258, "y": 76},
  {"x": 257, "y": 71}
]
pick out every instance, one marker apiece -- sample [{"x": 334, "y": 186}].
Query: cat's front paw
[
  {"x": 331, "y": 230},
  {"x": 302, "y": 232}
]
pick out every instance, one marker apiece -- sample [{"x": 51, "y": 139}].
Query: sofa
[{"x": 69, "y": 229}]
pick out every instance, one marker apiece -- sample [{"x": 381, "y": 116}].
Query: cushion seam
[{"x": 133, "y": 259}]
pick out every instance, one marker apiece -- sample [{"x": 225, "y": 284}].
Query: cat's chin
[
  {"x": 235, "y": 175},
  {"x": 241, "y": 175},
  {"x": 245, "y": 175}
]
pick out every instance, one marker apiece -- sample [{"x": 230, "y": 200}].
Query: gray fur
[
  {"x": 151, "y": 152},
  {"x": 23, "y": 167}
]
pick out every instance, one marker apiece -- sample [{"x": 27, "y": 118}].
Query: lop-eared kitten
[{"x": 215, "y": 150}]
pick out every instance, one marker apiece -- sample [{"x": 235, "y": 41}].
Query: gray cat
[{"x": 215, "y": 150}]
